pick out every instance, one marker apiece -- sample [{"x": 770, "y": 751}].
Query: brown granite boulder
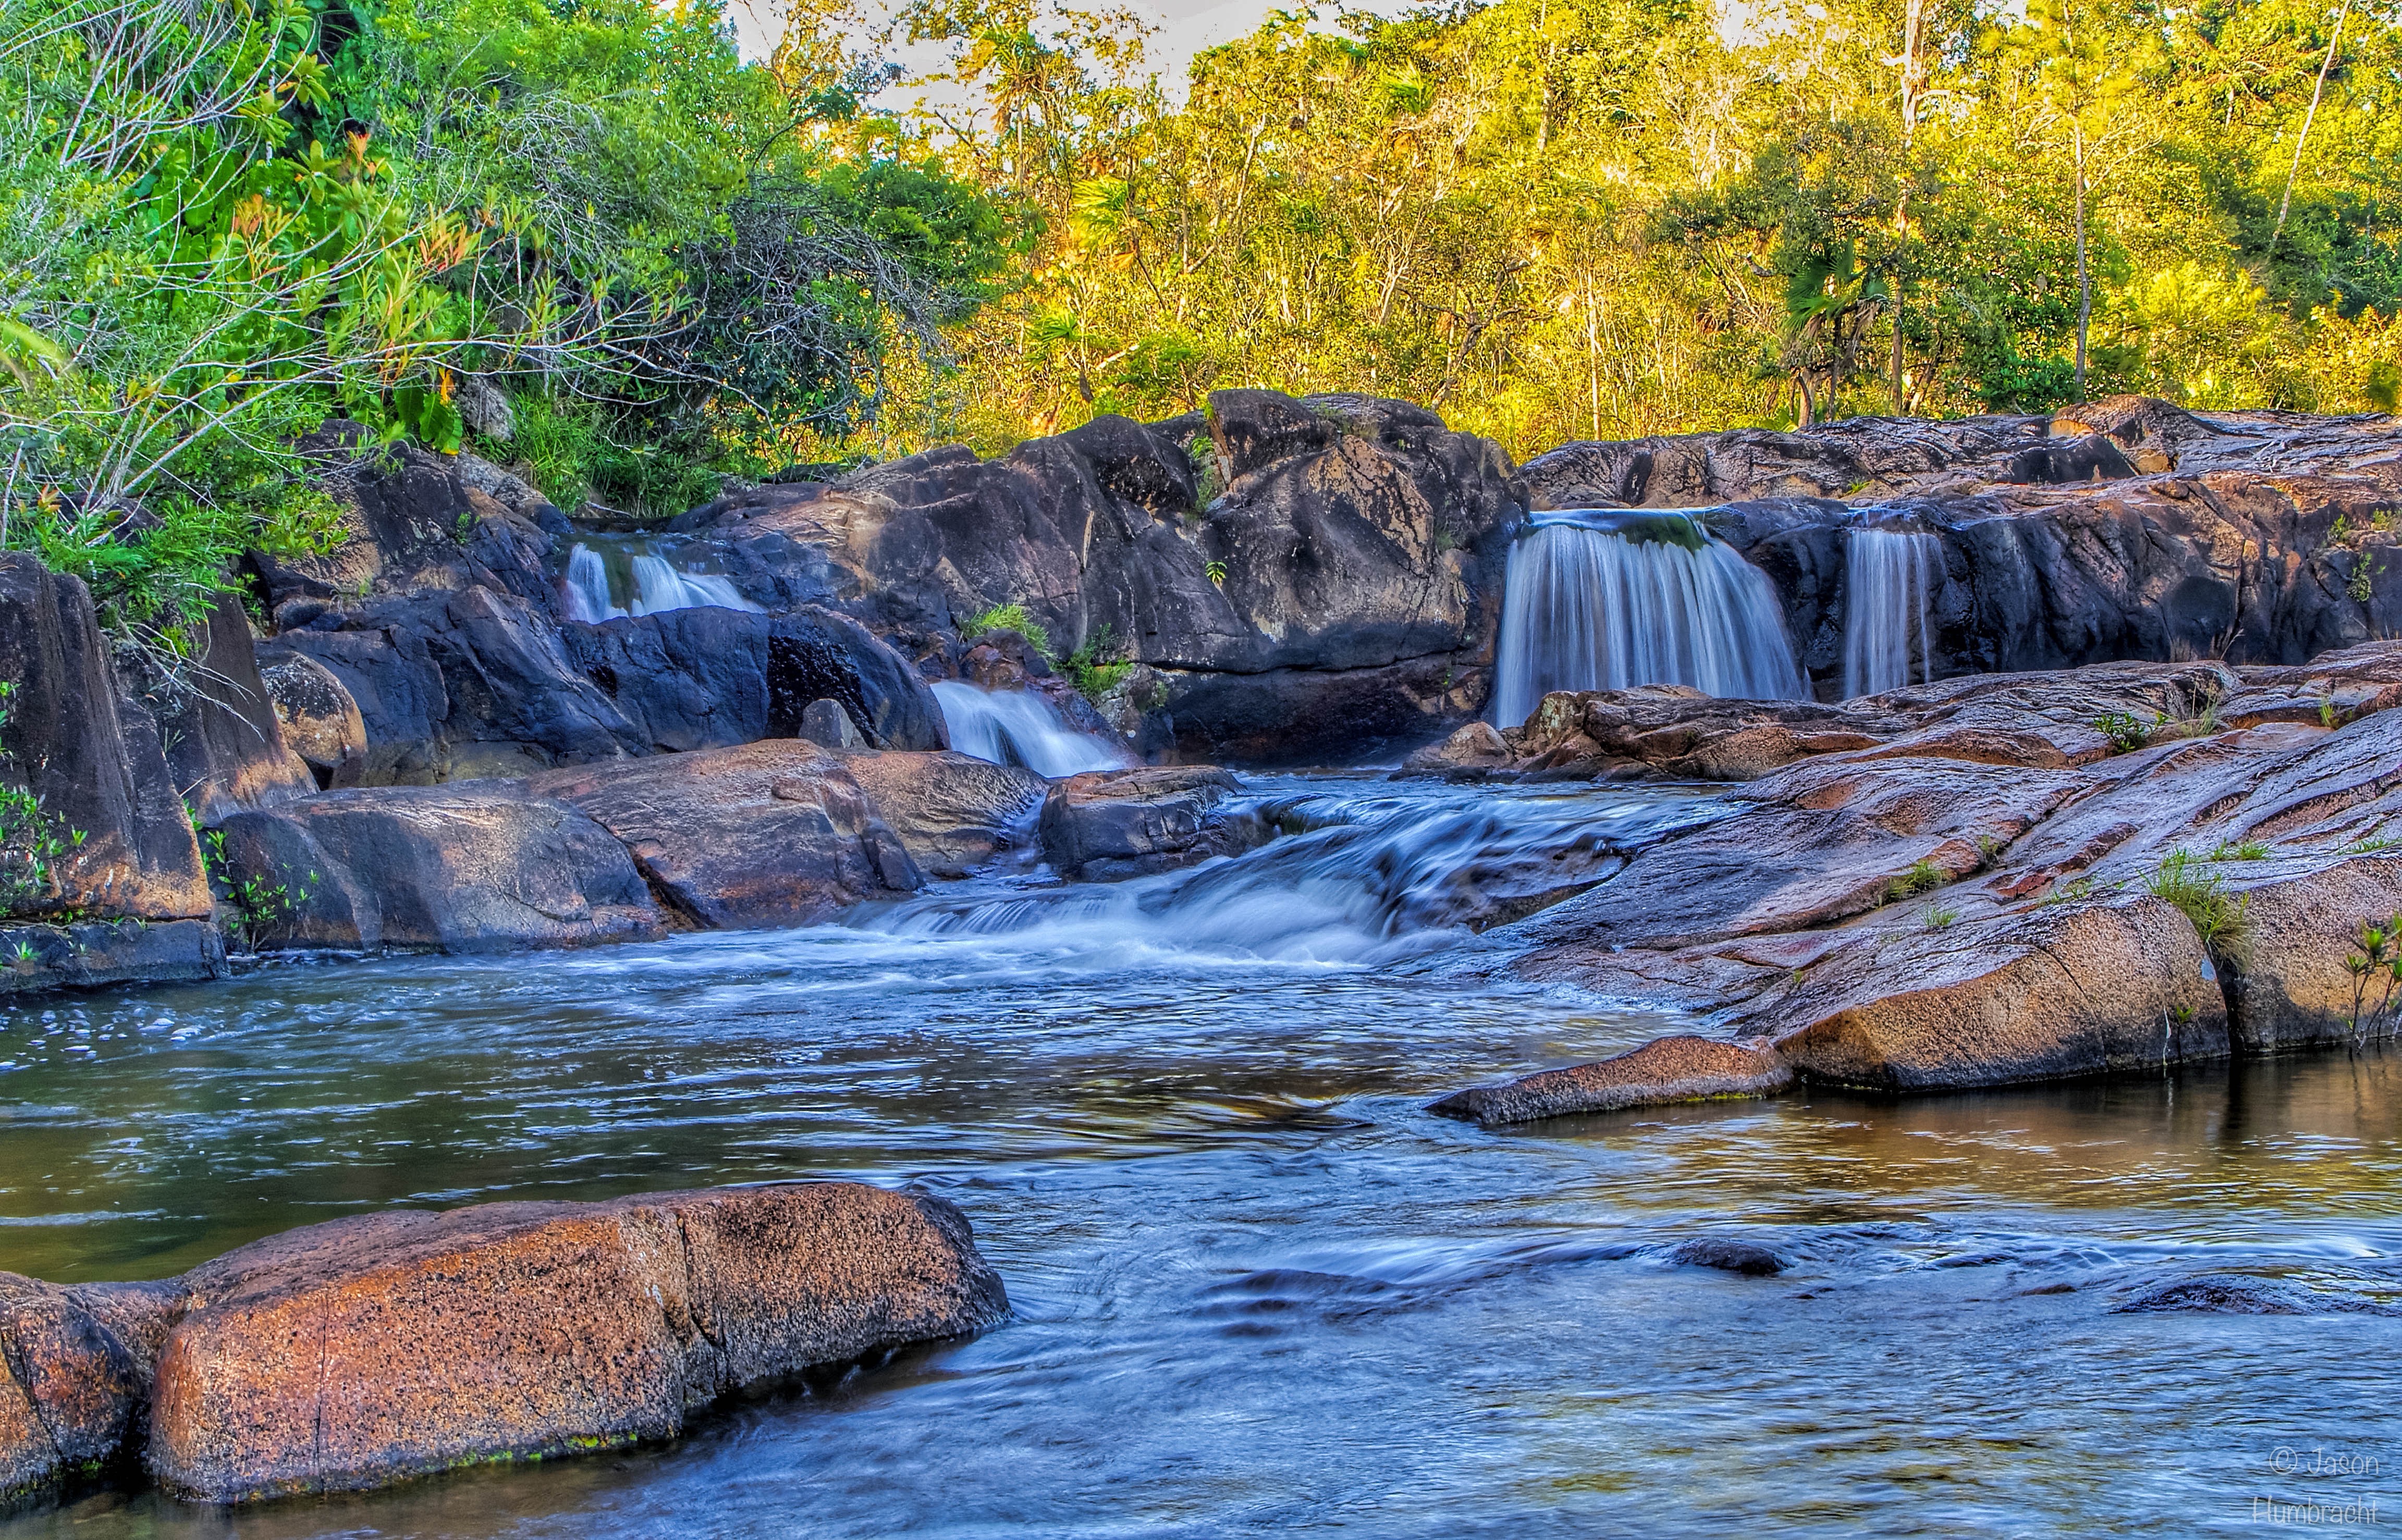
[
  {"x": 950, "y": 811},
  {"x": 370, "y": 1349},
  {"x": 76, "y": 1373},
  {"x": 320, "y": 719},
  {"x": 770, "y": 834},
  {"x": 471, "y": 866},
  {"x": 1106, "y": 825}
]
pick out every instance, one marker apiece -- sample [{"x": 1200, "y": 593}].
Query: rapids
[{"x": 1257, "y": 1287}]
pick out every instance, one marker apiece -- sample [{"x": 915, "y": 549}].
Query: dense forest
[{"x": 587, "y": 237}]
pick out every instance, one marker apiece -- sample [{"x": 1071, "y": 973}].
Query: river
[{"x": 1257, "y": 1286}]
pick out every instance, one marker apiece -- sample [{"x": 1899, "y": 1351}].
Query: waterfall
[
  {"x": 650, "y": 583},
  {"x": 1604, "y": 600},
  {"x": 1889, "y": 578},
  {"x": 1020, "y": 727}
]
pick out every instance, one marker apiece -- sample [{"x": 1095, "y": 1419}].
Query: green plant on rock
[
  {"x": 2125, "y": 731},
  {"x": 1941, "y": 917},
  {"x": 2363, "y": 574},
  {"x": 2376, "y": 966},
  {"x": 2217, "y": 916},
  {"x": 252, "y": 904},
  {"x": 1094, "y": 669},
  {"x": 2250, "y": 850},
  {"x": 1008, "y": 617},
  {"x": 1922, "y": 876},
  {"x": 1215, "y": 572},
  {"x": 2070, "y": 892},
  {"x": 32, "y": 842}
]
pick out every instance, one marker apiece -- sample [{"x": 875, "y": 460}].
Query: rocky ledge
[
  {"x": 1978, "y": 881},
  {"x": 375, "y": 1348}
]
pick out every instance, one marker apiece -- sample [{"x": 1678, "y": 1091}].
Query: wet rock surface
[
  {"x": 373, "y": 1348},
  {"x": 2010, "y": 884}
]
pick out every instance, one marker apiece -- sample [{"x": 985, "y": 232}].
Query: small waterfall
[
  {"x": 1604, "y": 600},
  {"x": 648, "y": 582},
  {"x": 1889, "y": 579},
  {"x": 1019, "y": 727}
]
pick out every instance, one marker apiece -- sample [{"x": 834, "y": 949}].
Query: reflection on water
[{"x": 1258, "y": 1287}]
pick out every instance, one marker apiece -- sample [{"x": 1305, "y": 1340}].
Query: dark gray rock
[{"x": 1107, "y": 825}]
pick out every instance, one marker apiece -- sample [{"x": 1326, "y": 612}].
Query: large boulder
[
  {"x": 361, "y": 1352},
  {"x": 469, "y": 867},
  {"x": 370, "y": 1349},
  {"x": 1106, "y": 825},
  {"x": 222, "y": 737},
  {"x": 123, "y": 844},
  {"x": 950, "y": 811},
  {"x": 771, "y": 834}
]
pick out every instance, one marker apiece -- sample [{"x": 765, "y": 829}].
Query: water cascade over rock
[
  {"x": 649, "y": 583},
  {"x": 1019, "y": 727},
  {"x": 1890, "y": 576},
  {"x": 1599, "y": 599}
]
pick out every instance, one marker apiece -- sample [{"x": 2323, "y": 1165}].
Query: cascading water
[
  {"x": 1604, "y": 600},
  {"x": 648, "y": 582},
  {"x": 1019, "y": 727},
  {"x": 1889, "y": 580}
]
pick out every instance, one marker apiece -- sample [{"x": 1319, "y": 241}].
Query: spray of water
[
  {"x": 1602, "y": 600},
  {"x": 651, "y": 583}
]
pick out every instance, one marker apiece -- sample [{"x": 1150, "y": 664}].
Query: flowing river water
[{"x": 1257, "y": 1286}]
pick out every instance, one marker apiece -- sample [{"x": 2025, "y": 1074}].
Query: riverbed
[{"x": 1257, "y": 1286}]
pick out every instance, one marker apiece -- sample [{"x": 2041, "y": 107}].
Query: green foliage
[
  {"x": 2125, "y": 731},
  {"x": 253, "y": 906},
  {"x": 2071, "y": 891},
  {"x": 2376, "y": 966},
  {"x": 1940, "y": 917},
  {"x": 1215, "y": 572},
  {"x": 1922, "y": 876},
  {"x": 2216, "y": 916},
  {"x": 1095, "y": 668},
  {"x": 1012, "y": 618},
  {"x": 2250, "y": 850},
  {"x": 32, "y": 842}
]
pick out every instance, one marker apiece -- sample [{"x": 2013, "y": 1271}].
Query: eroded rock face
[
  {"x": 950, "y": 811},
  {"x": 1328, "y": 577},
  {"x": 770, "y": 834},
  {"x": 370, "y": 1349},
  {"x": 2006, "y": 885}
]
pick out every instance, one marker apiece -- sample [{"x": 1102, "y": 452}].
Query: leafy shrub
[
  {"x": 2126, "y": 733},
  {"x": 1922, "y": 876},
  {"x": 1094, "y": 669}
]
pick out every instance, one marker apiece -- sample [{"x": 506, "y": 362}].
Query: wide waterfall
[
  {"x": 1601, "y": 600},
  {"x": 1019, "y": 727},
  {"x": 609, "y": 580},
  {"x": 1890, "y": 576}
]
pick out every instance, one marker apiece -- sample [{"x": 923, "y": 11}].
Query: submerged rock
[
  {"x": 366, "y": 1350},
  {"x": 2235, "y": 1294},
  {"x": 1726, "y": 1256},
  {"x": 1661, "y": 1072}
]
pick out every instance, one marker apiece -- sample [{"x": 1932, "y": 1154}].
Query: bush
[{"x": 1008, "y": 617}]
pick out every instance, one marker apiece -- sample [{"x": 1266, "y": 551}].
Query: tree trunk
[
  {"x": 2304, "y": 137},
  {"x": 2084, "y": 277}
]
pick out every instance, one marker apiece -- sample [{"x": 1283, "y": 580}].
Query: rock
[
  {"x": 770, "y": 834},
  {"x": 710, "y": 677},
  {"x": 70, "y": 1391},
  {"x": 484, "y": 407},
  {"x": 1358, "y": 545},
  {"x": 1738, "y": 1257},
  {"x": 390, "y": 675},
  {"x": 320, "y": 719},
  {"x": 1108, "y": 825},
  {"x": 950, "y": 811},
  {"x": 470, "y": 867},
  {"x": 224, "y": 742},
  {"x": 1663, "y": 1071},
  {"x": 2233, "y": 1294},
  {"x": 91, "y": 954},
  {"x": 826, "y": 724},
  {"x": 93, "y": 759},
  {"x": 358, "y": 1352},
  {"x": 1476, "y": 746}
]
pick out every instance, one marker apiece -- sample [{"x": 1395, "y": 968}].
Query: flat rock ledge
[{"x": 372, "y": 1349}]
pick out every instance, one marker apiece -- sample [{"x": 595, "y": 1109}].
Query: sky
[{"x": 1186, "y": 27}]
